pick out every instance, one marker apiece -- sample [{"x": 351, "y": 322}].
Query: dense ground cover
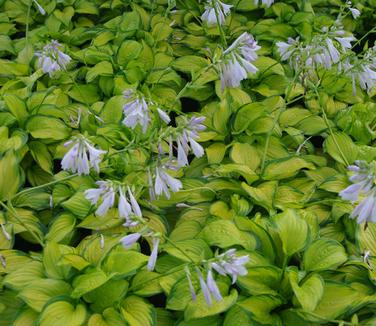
[{"x": 187, "y": 163}]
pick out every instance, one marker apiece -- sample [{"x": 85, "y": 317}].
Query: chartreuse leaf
[
  {"x": 10, "y": 176},
  {"x": 224, "y": 234},
  {"x": 263, "y": 194},
  {"x": 260, "y": 308},
  {"x": 288, "y": 223},
  {"x": 237, "y": 316},
  {"x": 261, "y": 280},
  {"x": 366, "y": 238},
  {"x": 107, "y": 294},
  {"x": 77, "y": 204},
  {"x": 52, "y": 254},
  {"x": 109, "y": 317},
  {"x": 63, "y": 313},
  {"x": 75, "y": 261},
  {"x": 38, "y": 292},
  {"x": 17, "y": 107},
  {"x": 137, "y": 312},
  {"x": 10, "y": 306},
  {"x": 27, "y": 317},
  {"x": 23, "y": 276},
  {"x": 146, "y": 283},
  {"x": 46, "y": 127},
  {"x": 180, "y": 294},
  {"x": 61, "y": 228},
  {"x": 324, "y": 254},
  {"x": 200, "y": 309},
  {"x": 341, "y": 147},
  {"x": 41, "y": 155},
  {"x": 92, "y": 279},
  {"x": 215, "y": 153},
  {"x": 285, "y": 168},
  {"x": 195, "y": 249},
  {"x": 124, "y": 262},
  {"x": 95, "y": 248},
  {"x": 243, "y": 153},
  {"x": 310, "y": 290},
  {"x": 103, "y": 68},
  {"x": 14, "y": 260},
  {"x": 337, "y": 299},
  {"x": 87, "y": 94}
]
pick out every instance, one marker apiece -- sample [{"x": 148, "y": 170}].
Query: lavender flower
[
  {"x": 136, "y": 111},
  {"x": 154, "y": 254},
  {"x": 204, "y": 288},
  {"x": 363, "y": 188},
  {"x": 188, "y": 137},
  {"x": 40, "y": 8},
  {"x": 129, "y": 240},
  {"x": 190, "y": 284},
  {"x": 51, "y": 59},
  {"x": 212, "y": 286},
  {"x": 230, "y": 264},
  {"x": 236, "y": 63},
  {"x": 355, "y": 12},
  {"x": 164, "y": 116},
  {"x": 105, "y": 192},
  {"x": 164, "y": 182},
  {"x": 214, "y": 8},
  {"x": 81, "y": 156}
]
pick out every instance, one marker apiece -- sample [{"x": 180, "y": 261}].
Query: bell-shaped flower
[
  {"x": 164, "y": 182},
  {"x": 129, "y": 240},
  {"x": 52, "y": 59},
  {"x": 81, "y": 156},
  {"x": 153, "y": 255},
  {"x": 236, "y": 62},
  {"x": 105, "y": 194},
  {"x": 215, "y": 12},
  {"x": 136, "y": 111}
]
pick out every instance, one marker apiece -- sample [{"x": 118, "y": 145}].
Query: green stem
[
  {"x": 177, "y": 248},
  {"x": 171, "y": 271},
  {"x": 44, "y": 185},
  {"x": 219, "y": 26},
  {"x": 12, "y": 211}
]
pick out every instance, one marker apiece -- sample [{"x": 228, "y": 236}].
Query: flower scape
[{"x": 187, "y": 163}]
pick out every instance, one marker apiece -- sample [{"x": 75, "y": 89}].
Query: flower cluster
[
  {"x": 323, "y": 51},
  {"x": 128, "y": 207},
  {"x": 363, "y": 189},
  {"x": 362, "y": 70},
  {"x": 227, "y": 263},
  {"x": 214, "y": 9},
  {"x": 236, "y": 62},
  {"x": 51, "y": 59},
  {"x": 81, "y": 156},
  {"x": 136, "y": 111}
]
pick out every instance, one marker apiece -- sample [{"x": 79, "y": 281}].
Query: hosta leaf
[
  {"x": 92, "y": 279},
  {"x": 224, "y": 234},
  {"x": 22, "y": 277},
  {"x": 309, "y": 292},
  {"x": 27, "y": 317},
  {"x": 200, "y": 309},
  {"x": 107, "y": 294},
  {"x": 137, "y": 312},
  {"x": 109, "y": 317},
  {"x": 195, "y": 249},
  {"x": 260, "y": 308},
  {"x": 45, "y": 127},
  {"x": 38, "y": 292},
  {"x": 124, "y": 262},
  {"x": 285, "y": 168},
  {"x": 61, "y": 228},
  {"x": 10, "y": 175},
  {"x": 62, "y": 313},
  {"x": 243, "y": 153},
  {"x": 324, "y": 254},
  {"x": 341, "y": 148},
  {"x": 288, "y": 223}
]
